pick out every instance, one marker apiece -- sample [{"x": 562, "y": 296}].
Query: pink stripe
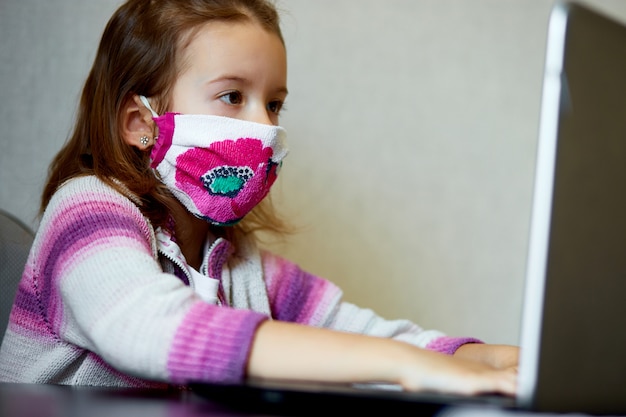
[
  {"x": 26, "y": 318},
  {"x": 213, "y": 344},
  {"x": 74, "y": 235},
  {"x": 296, "y": 295},
  {"x": 449, "y": 345},
  {"x": 318, "y": 302},
  {"x": 79, "y": 212}
]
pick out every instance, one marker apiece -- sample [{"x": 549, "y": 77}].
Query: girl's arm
[
  {"x": 300, "y": 297},
  {"x": 104, "y": 295},
  {"x": 291, "y": 351}
]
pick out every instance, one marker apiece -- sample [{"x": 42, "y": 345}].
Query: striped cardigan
[{"x": 107, "y": 300}]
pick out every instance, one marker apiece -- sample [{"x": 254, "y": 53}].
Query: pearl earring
[{"x": 144, "y": 140}]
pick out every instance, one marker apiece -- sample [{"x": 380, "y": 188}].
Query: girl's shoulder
[
  {"x": 87, "y": 204},
  {"x": 92, "y": 187},
  {"x": 92, "y": 194},
  {"x": 89, "y": 188}
]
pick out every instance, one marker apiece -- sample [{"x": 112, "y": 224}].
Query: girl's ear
[{"x": 138, "y": 128}]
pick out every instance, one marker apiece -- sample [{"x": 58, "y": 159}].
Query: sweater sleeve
[
  {"x": 102, "y": 289},
  {"x": 298, "y": 296}
]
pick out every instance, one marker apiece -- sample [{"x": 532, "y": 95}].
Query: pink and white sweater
[{"x": 107, "y": 300}]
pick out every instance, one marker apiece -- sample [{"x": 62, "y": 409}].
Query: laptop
[{"x": 573, "y": 336}]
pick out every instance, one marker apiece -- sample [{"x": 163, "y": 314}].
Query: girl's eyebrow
[
  {"x": 234, "y": 78},
  {"x": 226, "y": 79},
  {"x": 282, "y": 90},
  {"x": 243, "y": 81}
]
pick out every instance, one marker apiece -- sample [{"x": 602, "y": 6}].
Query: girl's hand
[{"x": 458, "y": 375}]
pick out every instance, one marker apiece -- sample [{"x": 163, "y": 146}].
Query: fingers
[
  {"x": 506, "y": 381},
  {"x": 458, "y": 376}
]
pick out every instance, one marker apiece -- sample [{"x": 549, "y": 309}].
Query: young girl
[{"x": 145, "y": 270}]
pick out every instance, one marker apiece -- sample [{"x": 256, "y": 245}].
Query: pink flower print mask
[{"x": 218, "y": 167}]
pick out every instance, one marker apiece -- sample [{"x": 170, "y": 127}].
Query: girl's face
[{"x": 237, "y": 70}]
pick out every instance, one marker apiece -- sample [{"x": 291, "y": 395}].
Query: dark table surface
[
  {"x": 37, "y": 400},
  {"x": 32, "y": 400}
]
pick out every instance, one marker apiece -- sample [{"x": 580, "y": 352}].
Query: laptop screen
[{"x": 572, "y": 339}]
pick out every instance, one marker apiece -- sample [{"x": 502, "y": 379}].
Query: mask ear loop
[{"x": 146, "y": 103}]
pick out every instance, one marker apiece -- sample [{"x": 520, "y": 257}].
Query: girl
[{"x": 145, "y": 270}]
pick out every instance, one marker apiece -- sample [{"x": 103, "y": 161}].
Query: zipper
[
  {"x": 178, "y": 263},
  {"x": 164, "y": 242},
  {"x": 221, "y": 293}
]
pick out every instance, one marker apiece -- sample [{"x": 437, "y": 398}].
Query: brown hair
[{"x": 139, "y": 53}]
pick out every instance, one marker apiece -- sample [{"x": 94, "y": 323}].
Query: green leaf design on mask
[
  {"x": 226, "y": 181},
  {"x": 227, "y": 185}
]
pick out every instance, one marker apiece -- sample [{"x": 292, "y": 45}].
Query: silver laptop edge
[{"x": 542, "y": 205}]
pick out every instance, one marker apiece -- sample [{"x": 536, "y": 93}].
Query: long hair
[{"x": 140, "y": 53}]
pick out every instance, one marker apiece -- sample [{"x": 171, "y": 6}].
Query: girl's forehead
[
  {"x": 230, "y": 35},
  {"x": 237, "y": 45}
]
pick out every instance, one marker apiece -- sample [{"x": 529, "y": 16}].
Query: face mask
[{"x": 218, "y": 167}]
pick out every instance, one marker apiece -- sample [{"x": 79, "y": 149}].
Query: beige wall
[{"x": 412, "y": 128}]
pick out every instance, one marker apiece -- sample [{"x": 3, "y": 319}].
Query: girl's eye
[
  {"x": 233, "y": 98},
  {"x": 275, "y": 106}
]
